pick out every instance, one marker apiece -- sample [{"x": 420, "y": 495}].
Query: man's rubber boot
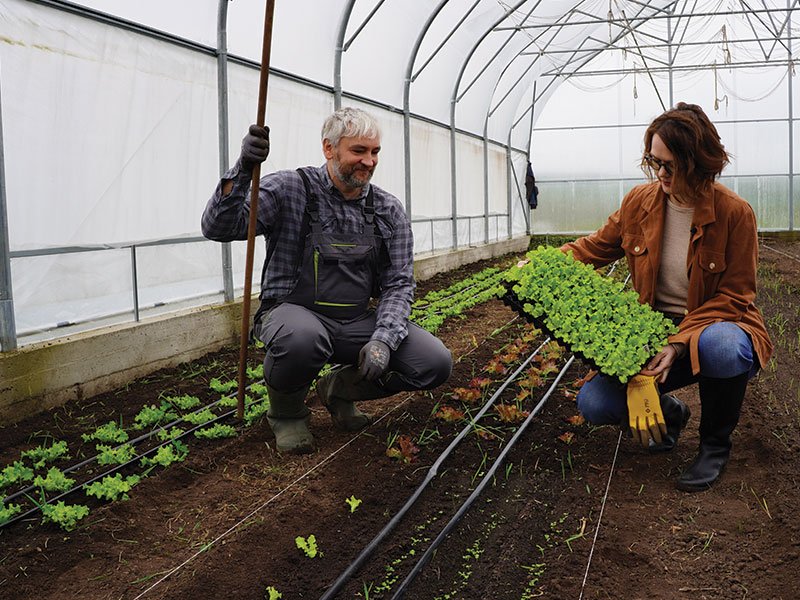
[
  {"x": 288, "y": 418},
  {"x": 676, "y": 415},
  {"x": 721, "y": 404},
  {"x": 339, "y": 390}
]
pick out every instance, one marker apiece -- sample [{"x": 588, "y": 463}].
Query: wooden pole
[{"x": 251, "y": 229}]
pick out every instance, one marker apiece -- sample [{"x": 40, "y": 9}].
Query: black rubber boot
[
  {"x": 339, "y": 390},
  {"x": 288, "y": 418},
  {"x": 676, "y": 415},
  {"x": 721, "y": 403}
]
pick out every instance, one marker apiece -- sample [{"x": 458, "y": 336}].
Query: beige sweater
[{"x": 672, "y": 285}]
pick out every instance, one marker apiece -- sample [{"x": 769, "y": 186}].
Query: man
[{"x": 333, "y": 242}]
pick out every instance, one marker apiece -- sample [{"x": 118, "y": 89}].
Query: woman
[{"x": 692, "y": 248}]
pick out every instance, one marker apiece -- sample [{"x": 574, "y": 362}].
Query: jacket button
[
  {"x": 636, "y": 249},
  {"x": 685, "y": 311},
  {"x": 712, "y": 266}
]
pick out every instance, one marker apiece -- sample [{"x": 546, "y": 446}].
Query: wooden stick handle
[{"x": 251, "y": 228}]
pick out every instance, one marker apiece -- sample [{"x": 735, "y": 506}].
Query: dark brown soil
[{"x": 556, "y": 520}]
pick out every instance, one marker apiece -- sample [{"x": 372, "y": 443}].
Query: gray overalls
[{"x": 326, "y": 317}]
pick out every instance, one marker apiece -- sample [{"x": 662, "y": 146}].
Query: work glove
[
  {"x": 645, "y": 418},
  {"x": 255, "y": 147},
  {"x": 373, "y": 360}
]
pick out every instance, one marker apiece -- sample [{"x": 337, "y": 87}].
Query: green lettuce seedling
[
  {"x": 272, "y": 594},
  {"x": 63, "y": 515},
  {"x": 8, "y": 512},
  {"x": 353, "y": 503},
  {"x": 55, "y": 481},
  {"x": 110, "y": 433},
  {"x": 42, "y": 455},
  {"x": 112, "y": 488},
  {"x": 16, "y": 472},
  {"x": 307, "y": 545}
]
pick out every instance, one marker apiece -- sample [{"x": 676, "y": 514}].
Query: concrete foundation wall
[{"x": 48, "y": 374}]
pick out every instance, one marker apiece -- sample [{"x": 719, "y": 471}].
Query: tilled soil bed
[{"x": 573, "y": 511}]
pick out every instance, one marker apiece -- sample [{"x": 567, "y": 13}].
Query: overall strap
[
  {"x": 369, "y": 212},
  {"x": 311, "y": 214}
]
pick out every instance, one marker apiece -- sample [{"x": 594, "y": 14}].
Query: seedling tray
[{"x": 600, "y": 322}]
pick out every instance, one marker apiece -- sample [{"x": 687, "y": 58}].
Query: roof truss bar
[
  {"x": 555, "y": 76},
  {"x": 680, "y": 68},
  {"x": 664, "y": 10},
  {"x": 497, "y": 53},
  {"x": 537, "y": 55},
  {"x": 641, "y": 55},
  {"x": 777, "y": 33},
  {"x": 654, "y": 46},
  {"x": 445, "y": 40},
  {"x": 682, "y": 20},
  {"x": 621, "y": 22},
  {"x": 364, "y": 24}
]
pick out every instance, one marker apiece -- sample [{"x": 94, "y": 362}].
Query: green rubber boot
[
  {"x": 288, "y": 418},
  {"x": 338, "y": 391}
]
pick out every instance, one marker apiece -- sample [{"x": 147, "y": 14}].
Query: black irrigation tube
[
  {"x": 426, "y": 556},
  {"x": 120, "y": 466},
  {"x": 432, "y": 472},
  {"x": 367, "y": 551}
]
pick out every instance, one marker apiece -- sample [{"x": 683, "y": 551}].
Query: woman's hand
[{"x": 662, "y": 362}]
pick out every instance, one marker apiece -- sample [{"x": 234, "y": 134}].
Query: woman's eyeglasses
[{"x": 657, "y": 165}]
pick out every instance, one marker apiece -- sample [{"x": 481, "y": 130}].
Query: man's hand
[
  {"x": 645, "y": 418},
  {"x": 255, "y": 146},
  {"x": 373, "y": 360}
]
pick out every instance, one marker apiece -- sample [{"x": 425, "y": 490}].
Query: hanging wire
[{"x": 716, "y": 92}]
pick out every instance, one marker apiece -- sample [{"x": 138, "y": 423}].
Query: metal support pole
[
  {"x": 486, "y": 181},
  {"x": 337, "y": 56},
  {"x": 791, "y": 116},
  {"x": 8, "y": 328},
  {"x": 135, "y": 282},
  {"x": 222, "y": 112}
]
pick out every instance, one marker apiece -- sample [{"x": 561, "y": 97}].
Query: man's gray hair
[{"x": 349, "y": 122}]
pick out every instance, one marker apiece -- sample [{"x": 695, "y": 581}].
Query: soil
[{"x": 591, "y": 516}]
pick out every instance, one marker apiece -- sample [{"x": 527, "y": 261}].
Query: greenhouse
[{"x": 505, "y": 125}]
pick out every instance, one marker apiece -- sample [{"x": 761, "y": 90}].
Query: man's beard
[{"x": 349, "y": 179}]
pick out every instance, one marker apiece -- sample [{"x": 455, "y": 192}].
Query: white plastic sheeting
[
  {"x": 111, "y": 126},
  {"x": 735, "y": 59}
]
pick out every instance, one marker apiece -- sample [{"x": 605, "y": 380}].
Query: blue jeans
[{"x": 725, "y": 351}]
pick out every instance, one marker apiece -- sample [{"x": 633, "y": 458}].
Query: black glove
[
  {"x": 255, "y": 146},
  {"x": 373, "y": 360}
]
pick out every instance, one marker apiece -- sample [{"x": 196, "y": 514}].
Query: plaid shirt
[{"x": 282, "y": 201}]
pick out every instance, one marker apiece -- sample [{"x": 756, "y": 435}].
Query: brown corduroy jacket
[{"x": 721, "y": 262}]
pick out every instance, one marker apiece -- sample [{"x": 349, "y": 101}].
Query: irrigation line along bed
[
  {"x": 432, "y": 472},
  {"x": 253, "y": 512},
  {"x": 426, "y": 556},
  {"x": 120, "y": 466},
  {"x": 361, "y": 558}
]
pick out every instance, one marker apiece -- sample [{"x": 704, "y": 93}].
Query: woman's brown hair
[{"x": 698, "y": 154}]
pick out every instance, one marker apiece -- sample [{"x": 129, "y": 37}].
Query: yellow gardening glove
[{"x": 644, "y": 410}]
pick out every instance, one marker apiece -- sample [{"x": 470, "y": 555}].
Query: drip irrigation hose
[
  {"x": 367, "y": 551},
  {"x": 432, "y": 472},
  {"x": 426, "y": 556},
  {"x": 114, "y": 469},
  {"x": 120, "y": 466}
]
